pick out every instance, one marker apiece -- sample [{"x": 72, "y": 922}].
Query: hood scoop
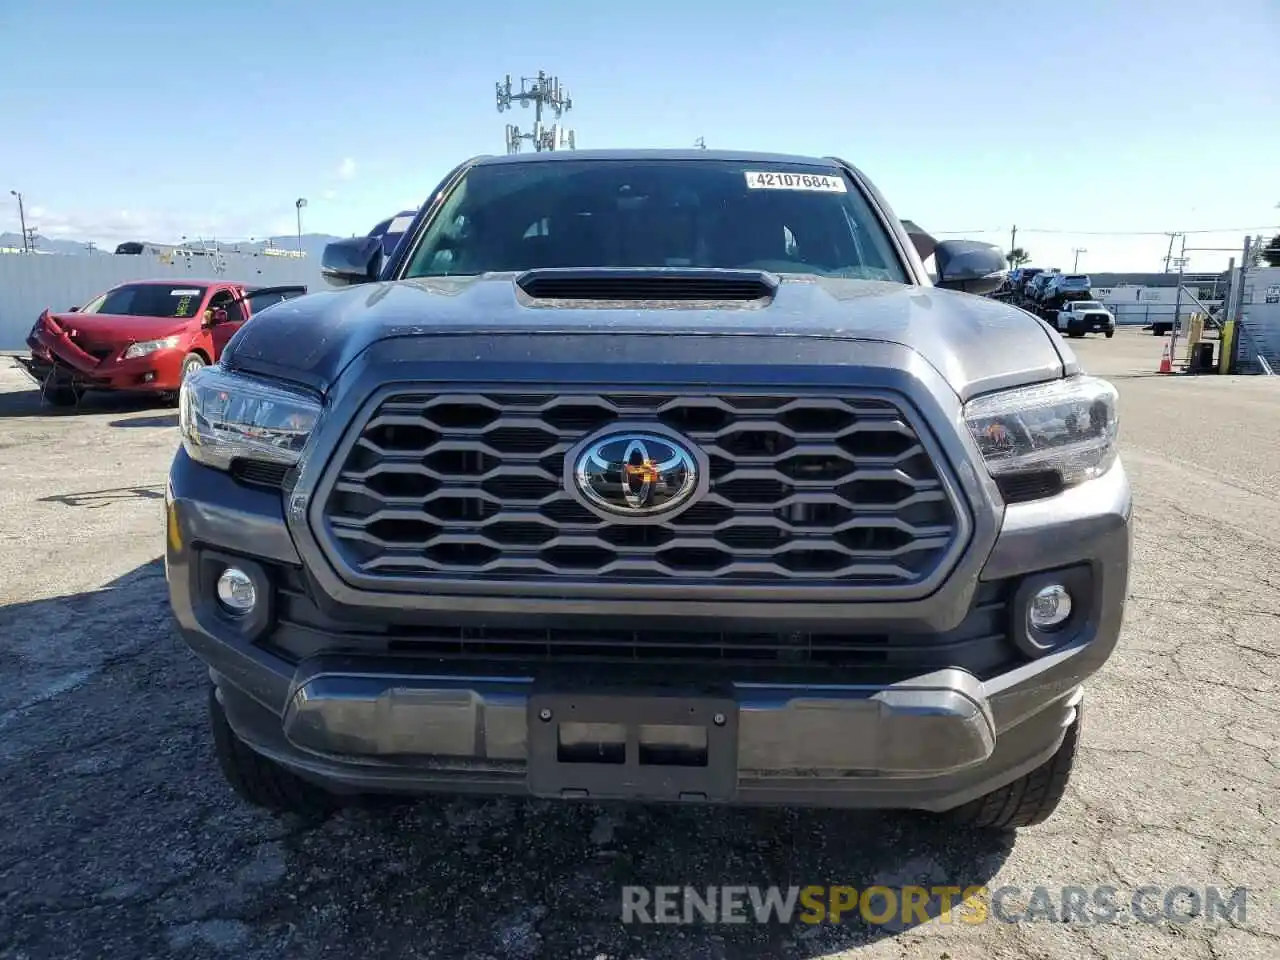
[{"x": 649, "y": 286}]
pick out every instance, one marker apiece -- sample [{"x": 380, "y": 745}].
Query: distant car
[
  {"x": 1036, "y": 286},
  {"x": 146, "y": 336},
  {"x": 1063, "y": 284},
  {"x": 1079, "y": 317},
  {"x": 392, "y": 229},
  {"x": 1023, "y": 276}
]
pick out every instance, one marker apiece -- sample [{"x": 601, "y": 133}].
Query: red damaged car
[{"x": 143, "y": 336}]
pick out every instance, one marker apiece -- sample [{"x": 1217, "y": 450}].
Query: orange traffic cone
[{"x": 1166, "y": 361}]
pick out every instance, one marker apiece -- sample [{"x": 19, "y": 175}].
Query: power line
[
  {"x": 1109, "y": 233},
  {"x": 1150, "y": 233}
]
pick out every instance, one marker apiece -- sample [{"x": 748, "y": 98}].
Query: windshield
[
  {"x": 149, "y": 300},
  {"x": 1087, "y": 305},
  {"x": 786, "y": 218}
]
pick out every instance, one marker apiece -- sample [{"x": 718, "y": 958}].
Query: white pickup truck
[{"x": 1078, "y": 317}]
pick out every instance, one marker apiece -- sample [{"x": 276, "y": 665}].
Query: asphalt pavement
[{"x": 119, "y": 839}]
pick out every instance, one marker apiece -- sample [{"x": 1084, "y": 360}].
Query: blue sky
[{"x": 153, "y": 120}]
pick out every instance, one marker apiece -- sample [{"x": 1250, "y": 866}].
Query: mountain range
[{"x": 313, "y": 244}]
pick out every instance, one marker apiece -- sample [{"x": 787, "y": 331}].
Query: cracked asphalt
[{"x": 118, "y": 837}]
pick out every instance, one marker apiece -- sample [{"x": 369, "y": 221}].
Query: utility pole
[
  {"x": 1246, "y": 261},
  {"x": 1177, "y": 298},
  {"x": 1169, "y": 253},
  {"x": 1235, "y": 296},
  {"x": 1075, "y": 264},
  {"x": 541, "y": 91},
  {"x": 700, "y": 143},
  {"x": 29, "y": 239},
  {"x": 1013, "y": 238},
  {"x": 298, "y": 205},
  {"x": 22, "y": 219}
]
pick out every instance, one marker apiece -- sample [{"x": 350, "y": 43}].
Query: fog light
[
  {"x": 236, "y": 592},
  {"x": 1050, "y": 607}
]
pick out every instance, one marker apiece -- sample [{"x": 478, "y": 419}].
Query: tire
[
  {"x": 1110, "y": 334},
  {"x": 190, "y": 364},
  {"x": 1029, "y": 800},
  {"x": 63, "y": 396},
  {"x": 1075, "y": 334},
  {"x": 259, "y": 781}
]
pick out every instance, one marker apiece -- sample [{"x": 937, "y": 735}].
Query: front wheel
[
  {"x": 62, "y": 395},
  {"x": 1110, "y": 334},
  {"x": 1029, "y": 800},
  {"x": 259, "y": 781},
  {"x": 191, "y": 363}
]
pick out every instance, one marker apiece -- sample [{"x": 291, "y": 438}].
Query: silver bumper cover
[{"x": 930, "y": 725}]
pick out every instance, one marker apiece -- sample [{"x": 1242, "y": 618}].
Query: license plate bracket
[{"x": 633, "y": 746}]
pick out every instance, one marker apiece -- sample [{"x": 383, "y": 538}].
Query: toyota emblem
[{"x": 636, "y": 474}]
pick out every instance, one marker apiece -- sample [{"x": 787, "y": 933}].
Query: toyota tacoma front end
[{"x": 651, "y": 476}]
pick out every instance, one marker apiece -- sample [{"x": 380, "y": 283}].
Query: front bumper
[
  {"x": 1090, "y": 323},
  {"x": 358, "y": 720},
  {"x": 61, "y": 361}
]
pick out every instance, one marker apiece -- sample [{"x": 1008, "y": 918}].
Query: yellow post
[{"x": 1226, "y": 346}]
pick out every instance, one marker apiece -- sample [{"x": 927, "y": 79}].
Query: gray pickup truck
[{"x": 656, "y": 476}]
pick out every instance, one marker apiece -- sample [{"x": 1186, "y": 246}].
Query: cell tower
[{"x": 543, "y": 92}]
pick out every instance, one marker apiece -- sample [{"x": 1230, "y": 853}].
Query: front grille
[
  {"x": 978, "y": 644},
  {"x": 1024, "y": 487},
  {"x": 259, "y": 473},
  {"x": 98, "y": 351},
  {"x": 802, "y": 490}
]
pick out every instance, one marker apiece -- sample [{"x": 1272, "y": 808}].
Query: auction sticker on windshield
[{"x": 822, "y": 183}]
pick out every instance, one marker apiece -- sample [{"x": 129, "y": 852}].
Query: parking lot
[{"x": 118, "y": 837}]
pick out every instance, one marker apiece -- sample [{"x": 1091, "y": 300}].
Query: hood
[
  {"x": 111, "y": 328},
  {"x": 977, "y": 344}
]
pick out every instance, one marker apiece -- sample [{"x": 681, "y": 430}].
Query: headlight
[
  {"x": 223, "y": 416},
  {"x": 144, "y": 347},
  {"x": 1068, "y": 426}
]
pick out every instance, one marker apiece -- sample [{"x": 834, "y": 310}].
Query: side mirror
[
  {"x": 347, "y": 262},
  {"x": 73, "y": 310},
  {"x": 969, "y": 266}
]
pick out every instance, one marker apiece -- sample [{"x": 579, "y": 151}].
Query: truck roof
[{"x": 553, "y": 156}]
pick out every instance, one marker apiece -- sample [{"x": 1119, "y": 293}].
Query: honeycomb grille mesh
[{"x": 802, "y": 490}]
